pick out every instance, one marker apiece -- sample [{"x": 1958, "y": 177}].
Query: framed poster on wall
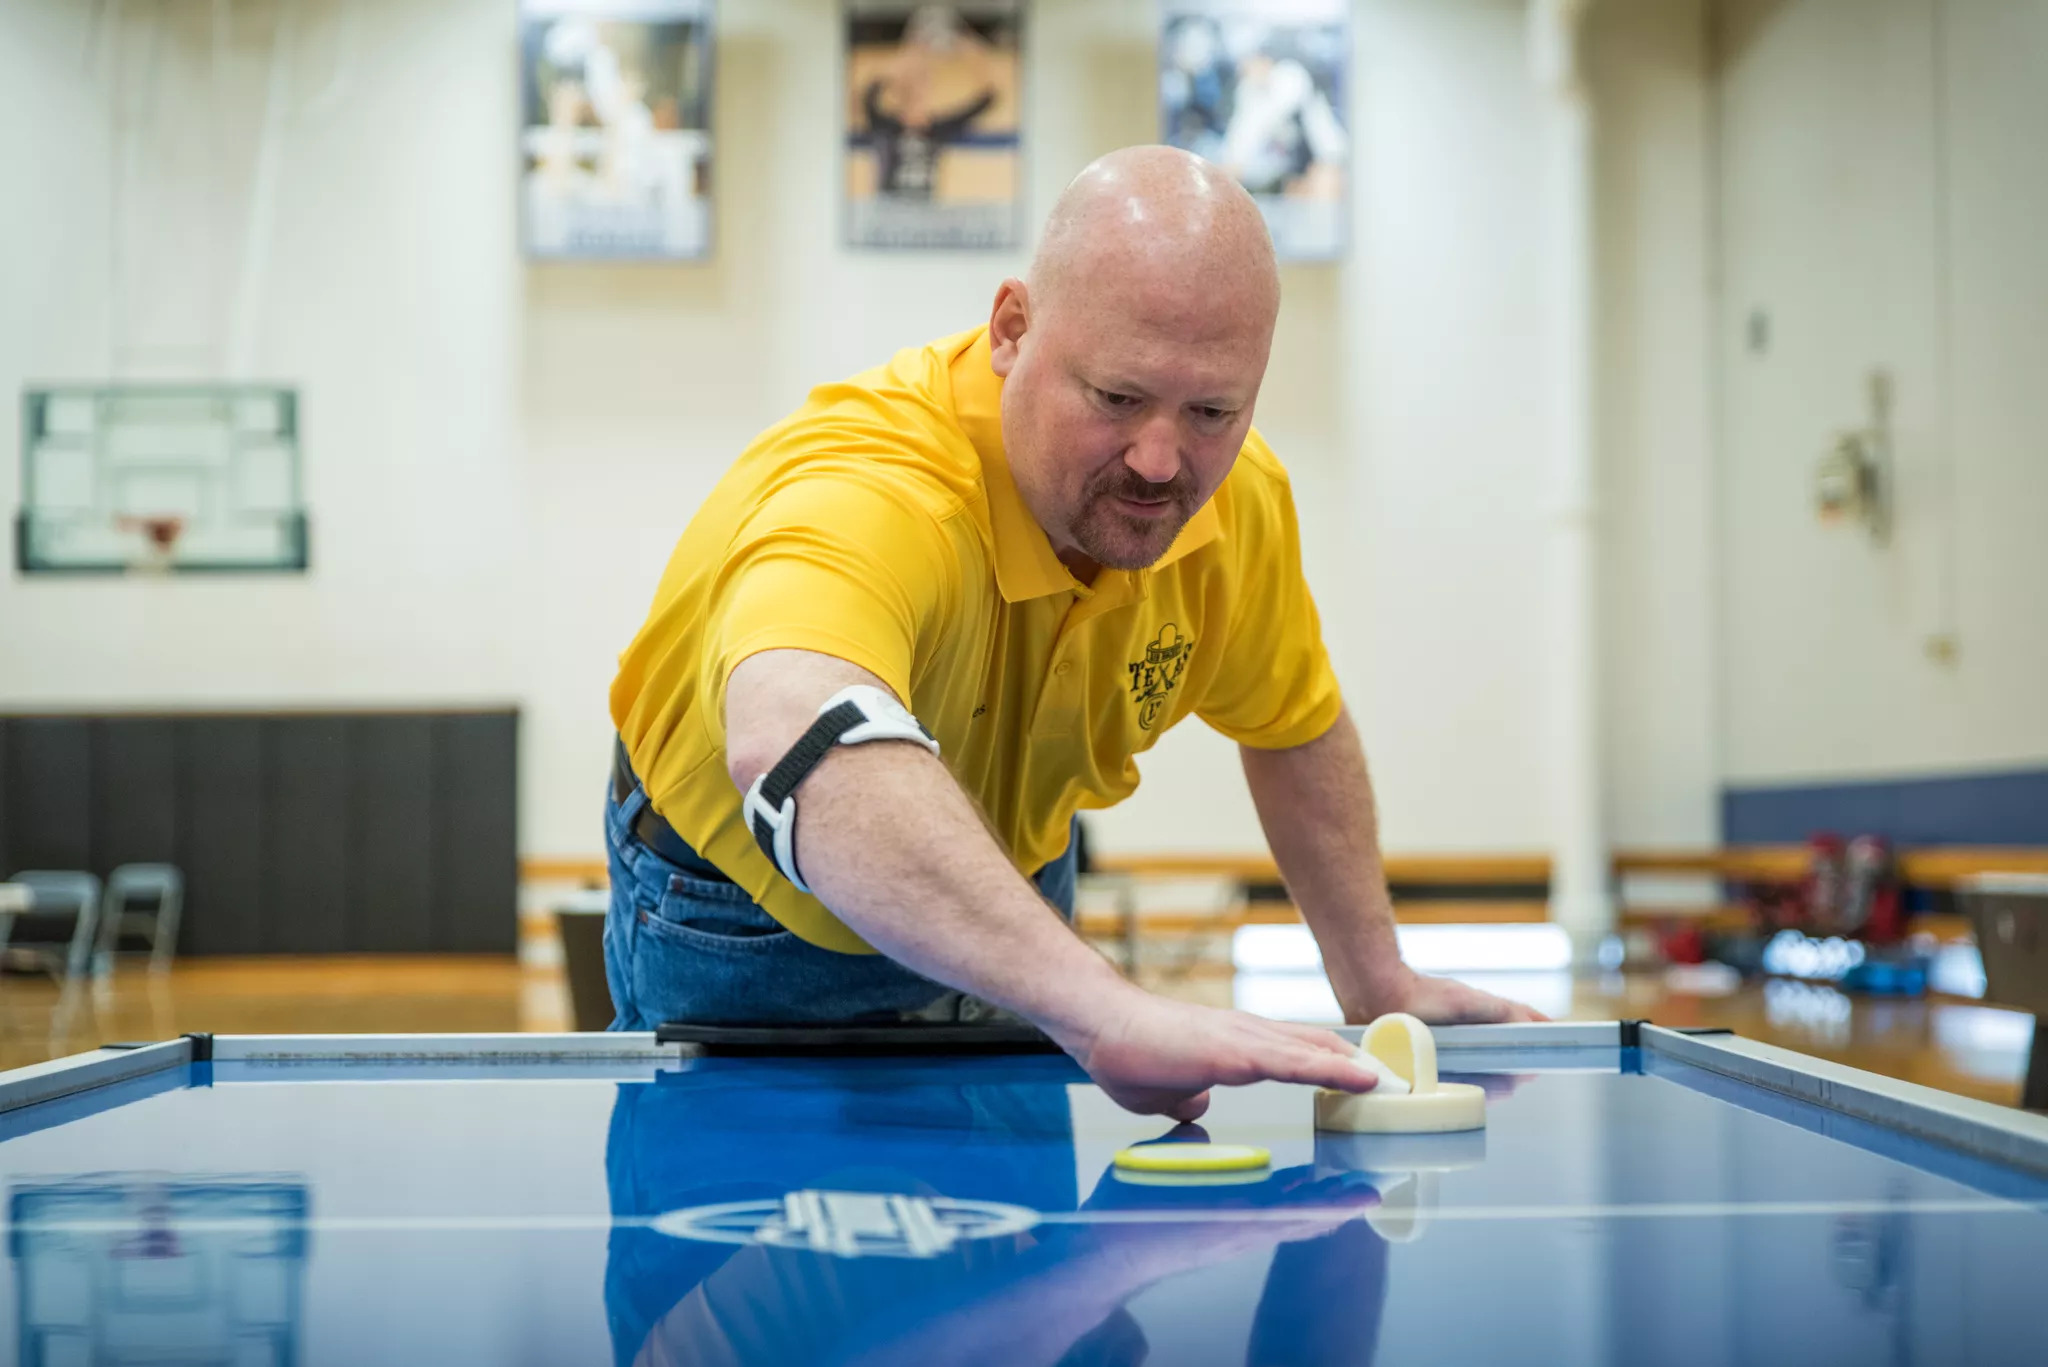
[
  {"x": 615, "y": 107},
  {"x": 933, "y": 114},
  {"x": 1260, "y": 87}
]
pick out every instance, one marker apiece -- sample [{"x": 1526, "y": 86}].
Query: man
[{"x": 1050, "y": 540}]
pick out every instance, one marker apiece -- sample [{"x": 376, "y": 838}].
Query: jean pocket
[{"x": 711, "y": 915}]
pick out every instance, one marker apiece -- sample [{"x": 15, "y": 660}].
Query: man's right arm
[{"x": 890, "y": 843}]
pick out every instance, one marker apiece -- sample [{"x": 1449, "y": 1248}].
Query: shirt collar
[{"x": 1026, "y": 565}]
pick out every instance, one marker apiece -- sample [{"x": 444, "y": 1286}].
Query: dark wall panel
[
  {"x": 297, "y": 833},
  {"x": 134, "y": 791},
  {"x": 223, "y": 831},
  {"x": 476, "y": 780},
  {"x": 45, "y": 766},
  {"x": 306, "y": 859},
  {"x": 391, "y": 810}
]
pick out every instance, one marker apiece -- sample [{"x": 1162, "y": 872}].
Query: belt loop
[{"x": 636, "y": 801}]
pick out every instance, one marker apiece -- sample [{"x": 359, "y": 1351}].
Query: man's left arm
[{"x": 1315, "y": 802}]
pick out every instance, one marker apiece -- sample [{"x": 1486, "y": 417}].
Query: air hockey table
[{"x": 1639, "y": 1195}]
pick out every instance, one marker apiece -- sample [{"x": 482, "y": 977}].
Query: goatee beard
[{"x": 1118, "y": 541}]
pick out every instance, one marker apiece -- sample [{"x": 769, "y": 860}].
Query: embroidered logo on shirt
[{"x": 1154, "y": 677}]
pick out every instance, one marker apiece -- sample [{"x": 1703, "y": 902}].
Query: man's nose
[{"x": 1155, "y": 454}]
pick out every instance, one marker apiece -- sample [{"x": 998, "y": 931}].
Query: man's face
[{"x": 1123, "y": 411}]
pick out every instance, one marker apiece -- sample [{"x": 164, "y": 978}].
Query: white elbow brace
[{"x": 852, "y": 716}]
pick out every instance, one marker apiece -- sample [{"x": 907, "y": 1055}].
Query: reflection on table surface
[{"x": 888, "y": 1211}]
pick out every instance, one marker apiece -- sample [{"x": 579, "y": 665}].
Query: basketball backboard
[
  {"x": 118, "y": 478},
  {"x": 150, "y": 1267}
]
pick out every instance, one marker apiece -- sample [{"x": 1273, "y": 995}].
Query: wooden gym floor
[{"x": 1959, "y": 1046}]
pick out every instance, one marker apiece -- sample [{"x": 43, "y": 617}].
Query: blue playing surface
[{"x": 966, "y": 1211}]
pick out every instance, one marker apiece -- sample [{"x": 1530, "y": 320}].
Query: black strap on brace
[
  {"x": 794, "y": 767},
  {"x": 770, "y": 804}
]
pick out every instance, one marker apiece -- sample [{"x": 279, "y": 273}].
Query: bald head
[
  {"x": 1132, "y": 353},
  {"x": 1156, "y": 218}
]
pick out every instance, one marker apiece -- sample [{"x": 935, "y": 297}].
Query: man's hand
[
  {"x": 891, "y": 844},
  {"x": 1315, "y": 801},
  {"x": 1445, "y": 1001},
  {"x": 1157, "y": 1056}
]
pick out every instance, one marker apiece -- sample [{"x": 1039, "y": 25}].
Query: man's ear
[{"x": 1008, "y": 321}]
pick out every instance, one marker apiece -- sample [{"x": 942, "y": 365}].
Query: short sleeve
[
  {"x": 851, "y": 569},
  {"x": 1274, "y": 687}
]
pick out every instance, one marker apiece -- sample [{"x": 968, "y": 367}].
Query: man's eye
[
  {"x": 1213, "y": 414},
  {"x": 1116, "y": 401}
]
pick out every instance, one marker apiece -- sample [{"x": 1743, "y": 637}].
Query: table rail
[
  {"x": 508, "y": 1047},
  {"x": 1977, "y": 1128},
  {"x": 1521, "y": 1035},
  {"x": 40, "y": 1082}
]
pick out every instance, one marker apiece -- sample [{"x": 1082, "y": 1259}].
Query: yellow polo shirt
[{"x": 879, "y": 524}]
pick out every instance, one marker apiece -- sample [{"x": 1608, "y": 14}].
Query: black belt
[{"x": 653, "y": 832}]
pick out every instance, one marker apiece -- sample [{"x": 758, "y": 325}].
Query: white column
[{"x": 1581, "y": 898}]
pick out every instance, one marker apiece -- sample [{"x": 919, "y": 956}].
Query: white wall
[
  {"x": 391, "y": 300},
  {"x": 1654, "y": 148},
  {"x": 1424, "y": 494},
  {"x": 501, "y": 455},
  {"x": 1439, "y": 629},
  {"x": 1882, "y": 190}
]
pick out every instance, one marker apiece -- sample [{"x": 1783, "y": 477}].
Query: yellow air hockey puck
[
  {"x": 1132, "y": 1177},
  {"x": 1193, "y": 1158}
]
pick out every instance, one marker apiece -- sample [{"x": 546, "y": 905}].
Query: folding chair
[
  {"x": 56, "y": 893},
  {"x": 162, "y": 884}
]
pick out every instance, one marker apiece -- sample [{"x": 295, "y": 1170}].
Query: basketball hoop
[{"x": 158, "y": 547}]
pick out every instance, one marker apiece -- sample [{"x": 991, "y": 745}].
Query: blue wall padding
[{"x": 2001, "y": 808}]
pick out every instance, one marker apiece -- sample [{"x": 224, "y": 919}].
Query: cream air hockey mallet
[{"x": 1409, "y": 1099}]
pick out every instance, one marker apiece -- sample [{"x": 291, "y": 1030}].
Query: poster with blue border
[
  {"x": 1261, "y": 88},
  {"x": 615, "y": 143}
]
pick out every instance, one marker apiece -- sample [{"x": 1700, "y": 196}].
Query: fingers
[
  {"x": 1166, "y": 1062},
  {"x": 1180, "y": 1106},
  {"x": 1319, "y": 1068},
  {"x": 1501, "y": 1010},
  {"x": 1317, "y": 1036},
  {"x": 1498, "y": 1085},
  {"x": 1453, "y": 1003},
  {"x": 1307, "y": 1054}
]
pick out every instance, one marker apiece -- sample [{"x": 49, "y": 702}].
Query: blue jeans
[{"x": 681, "y": 945}]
